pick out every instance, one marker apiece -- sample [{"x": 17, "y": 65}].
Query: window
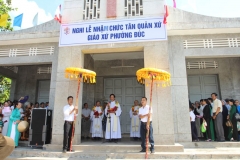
[
  {"x": 91, "y": 9},
  {"x": 133, "y": 8}
]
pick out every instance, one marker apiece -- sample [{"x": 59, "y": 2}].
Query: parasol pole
[
  {"x": 148, "y": 122},
  {"x": 157, "y": 75},
  {"x": 76, "y": 104}
]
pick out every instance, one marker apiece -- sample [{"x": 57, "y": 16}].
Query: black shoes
[
  {"x": 67, "y": 150},
  {"x": 152, "y": 151},
  {"x": 71, "y": 150}
]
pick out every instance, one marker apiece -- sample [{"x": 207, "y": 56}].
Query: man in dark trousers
[
  {"x": 143, "y": 115},
  {"x": 218, "y": 117},
  {"x": 69, "y": 112}
]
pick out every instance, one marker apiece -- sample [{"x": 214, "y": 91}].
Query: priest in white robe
[
  {"x": 96, "y": 117},
  {"x": 135, "y": 121},
  {"x": 113, "y": 128}
]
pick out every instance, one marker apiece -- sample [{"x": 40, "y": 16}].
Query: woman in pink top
[{"x": 6, "y": 111}]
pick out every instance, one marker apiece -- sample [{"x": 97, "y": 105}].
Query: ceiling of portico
[{"x": 115, "y": 56}]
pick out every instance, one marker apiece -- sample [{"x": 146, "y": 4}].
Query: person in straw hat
[{"x": 6, "y": 146}]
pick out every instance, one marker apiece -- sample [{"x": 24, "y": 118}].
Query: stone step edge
[
  {"x": 158, "y": 148},
  {"x": 157, "y": 153},
  {"x": 116, "y": 145}
]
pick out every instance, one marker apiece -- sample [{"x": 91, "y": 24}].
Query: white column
[
  {"x": 67, "y": 57},
  {"x": 156, "y": 56},
  {"x": 180, "y": 101}
]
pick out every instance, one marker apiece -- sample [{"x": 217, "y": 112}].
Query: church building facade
[{"x": 201, "y": 53}]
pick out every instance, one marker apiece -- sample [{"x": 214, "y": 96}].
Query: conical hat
[
  {"x": 6, "y": 146},
  {"x": 23, "y": 126}
]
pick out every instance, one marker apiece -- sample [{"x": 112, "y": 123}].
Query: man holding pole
[
  {"x": 69, "y": 112},
  {"x": 143, "y": 115}
]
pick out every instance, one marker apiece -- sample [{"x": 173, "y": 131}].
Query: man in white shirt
[
  {"x": 42, "y": 105},
  {"x": 143, "y": 115},
  {"x": 218, "y": 118},
  {"x": 86, "y": 122},
  {"x": 36, "y": 105},
  {"x": 69, "y": 112},
  {"x": 200, "y": 109}
]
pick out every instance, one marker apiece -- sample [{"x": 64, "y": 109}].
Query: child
[
  {"x": 1, "y": 123},
  {"x": 193, "y": 125}
]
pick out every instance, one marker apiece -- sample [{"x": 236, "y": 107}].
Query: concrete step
[
  {"x": 135, "y": 146},
  {"x": 115, "y": 147},
  {"x": 90, "y": 150},
  {"x": 211, "y": 144},
  {"x": 36, "y": 154}
]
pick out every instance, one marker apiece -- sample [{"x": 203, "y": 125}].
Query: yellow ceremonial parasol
[
  {"x": 157, "y": 75},
  {"x": 82, "y": 75}
]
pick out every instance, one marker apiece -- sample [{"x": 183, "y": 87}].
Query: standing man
[
  {"x": 36, "y": 105},
  {"x": 217, "y": 116},
  {"x": 227, "y": 105},
  {"x": 238, "y": 106},
  {"x": 96, "y": 117},
  {"x": 69, "y": 112},
  {"x": 86, "y": 122},
  {"x": 143, "y": 115},
  {"x": 135, "y": 122},
  {"x": 113, "y": 111},
  {"x": 42, "y": 105},
  {"x": 47, "y": 105}
]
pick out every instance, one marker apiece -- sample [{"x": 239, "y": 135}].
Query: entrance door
[
  {"x": 43, "y": 91},
  {"x": 127, "y": 90},
  {"x": 201, "y": 86}
]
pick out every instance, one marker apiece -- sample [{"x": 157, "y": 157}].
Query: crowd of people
[
  {"x": 12, "y": 113},
  {"x": 215, "y": 120},
  {"x": 211, "y": 119}
]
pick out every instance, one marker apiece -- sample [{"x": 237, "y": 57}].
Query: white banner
[{"x": 112, "y": 31}]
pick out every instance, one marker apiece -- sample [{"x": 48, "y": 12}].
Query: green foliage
[
  {"x": 5, "y": 8},
  {"x": 5, "y": 87}
]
